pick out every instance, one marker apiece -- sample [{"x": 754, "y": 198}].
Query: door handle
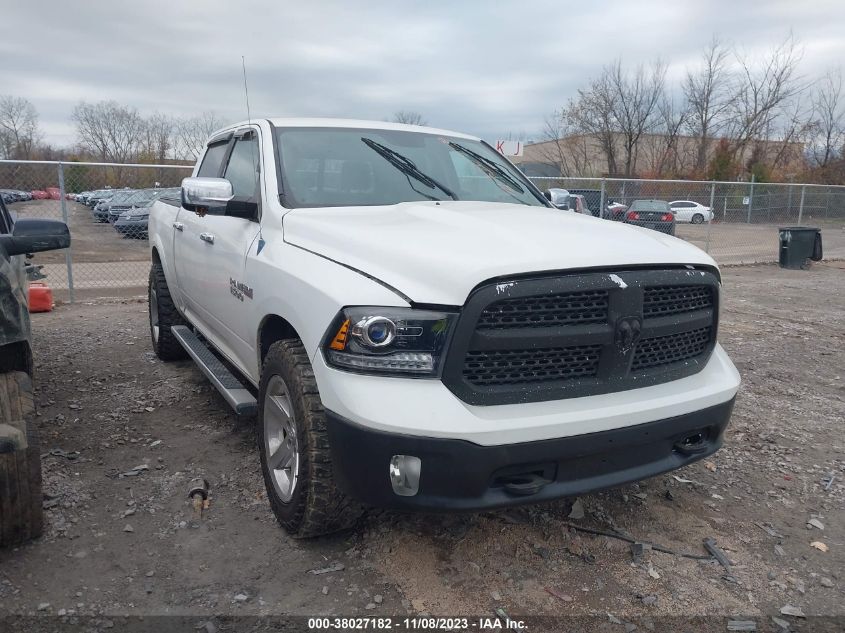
[
  {"x": 178, "y": 226},
  {"x": 207, "y": 237}
]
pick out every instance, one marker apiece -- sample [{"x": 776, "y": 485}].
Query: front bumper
[
  {"x": 457, "y": 475},
  {"x": 132, "y": 226}
]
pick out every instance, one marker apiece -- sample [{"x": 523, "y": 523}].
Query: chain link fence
[
  {"x": 107, "y": 206},
  {"x": 735, "y": 222}
]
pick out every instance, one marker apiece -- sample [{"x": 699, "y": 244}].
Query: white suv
[{"x": 416, "y": 326}]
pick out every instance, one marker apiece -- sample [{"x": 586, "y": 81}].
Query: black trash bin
[{"x": 799, "y": 244}]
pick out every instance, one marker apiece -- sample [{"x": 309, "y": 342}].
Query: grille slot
[
  {"x": 661, "y": 301},
  {"x": 571, "y": 308},
  {"x": 674, "y": 348},
  {"x": 510, "y": 367}
]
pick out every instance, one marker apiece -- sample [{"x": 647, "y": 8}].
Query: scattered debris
[
  {"x": 718, "y": 554},
  {"x": 649, "y": 600},
  {"x": 795, "y": 612},
  {"x": 829, "y": 481},
  {"x": 128, "y": 528},
  {"x": 768, "y": 529},
  {"x": 815, "y": 523},
  {"x": 682, "y": 480},
  {"x": 198, "y": 493},
  {"x": 711, "y": 466},
  {"x": 497, "y": 597},
  {"x": 241, "y": 597},
  {"x": 134, "y": 472},
  {"x": 43, "y": 606},
  {"x": 819, "y": 546},
  {"x": 781, "y": 623},
  {"x": 742, "y": 625},
  {"x": 58, "y": 452},
  {"x": 327, "y": 570},
  {"x": 653, "y": 572},
  {"x": 779, "y": 550},
  {"x": 560, "y": 596},
  {"x": 577, "y": 511},
  {"x": 826, "y": 582}
]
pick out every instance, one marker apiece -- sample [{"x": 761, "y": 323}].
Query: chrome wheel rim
[
  {"x": 154, "y": 313},
  {"x": 280, "y": 438}
]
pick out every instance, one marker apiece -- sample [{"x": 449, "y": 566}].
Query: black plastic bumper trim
[{"x": 458, "y": 475}]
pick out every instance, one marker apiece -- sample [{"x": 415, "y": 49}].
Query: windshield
[{"x": 328, "y": 167}]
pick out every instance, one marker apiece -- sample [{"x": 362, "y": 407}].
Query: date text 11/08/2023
[{"x": 502, "y": 623}]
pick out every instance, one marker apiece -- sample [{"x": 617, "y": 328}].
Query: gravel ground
[{"x": 129, "y": 544}]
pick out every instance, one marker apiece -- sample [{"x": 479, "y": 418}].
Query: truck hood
[{"x": 438, "y": 252}]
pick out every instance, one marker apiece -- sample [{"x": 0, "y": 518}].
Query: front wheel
[
  {"x": 698, "y": 219},
  {"x": 294, "y": 447},
  {"x": 163, "y": 315}
]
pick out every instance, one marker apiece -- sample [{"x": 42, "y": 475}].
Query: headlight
[{"x": 388, "y": 340}]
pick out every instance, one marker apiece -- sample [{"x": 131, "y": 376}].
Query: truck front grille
[
  {"x": 567, "y": 336},
  {"x": 568, "y": 308},
  {"x": 510, "y": 367}
]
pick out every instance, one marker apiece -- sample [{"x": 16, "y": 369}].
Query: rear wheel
[
  {"x": 163, "y": 315},
  {"x": 21, "y": 513},
  {"x": 294, "y": 447},
  {"x": 698, "y": 219}
]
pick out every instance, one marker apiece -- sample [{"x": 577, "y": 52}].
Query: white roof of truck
[{"x": 347, "y": 123}]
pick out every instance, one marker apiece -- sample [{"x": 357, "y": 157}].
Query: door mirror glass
[
  {"x": 548, "y": 195},
  {"x": 35, "y": 236},
  {"x": 206, "y": 195}
]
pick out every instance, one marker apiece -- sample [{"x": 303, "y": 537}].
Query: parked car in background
[
  {"x": 54, "y": 192},
  {"x": 651, "y": 214},
  {"x": 99, "y": 196},
  {"x": 616, "y": 210},
  {"x": 592, "y": 197},
  {"x": 134, "y": 222},
  {"x": 7, "y": 196},
  {"x": 578, "y": 203},
  {"x": 558, "y": 197},
  {"x": 100, "y": 212},
  {"x": 691, "y": 211},
  {"x": 40, "y": 195}
]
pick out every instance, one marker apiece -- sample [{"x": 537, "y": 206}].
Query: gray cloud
[{"x": 485, "y": 68}]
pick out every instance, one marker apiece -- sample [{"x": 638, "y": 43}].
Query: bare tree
[
  {"x": 828, "y": 126},
  {"x": 109, "y": 130},
  {"x": 592, "y": 114},
  {"x": 19, "y": 131},
  {"x": 191, "y": 134},
  {"x": 707, "y": 92},
  {"x": 762, "y": 93},
  {"x": 409, "y": 117},
  {"x": 635, "y": 99},
  {"x": 158, "y": 141},
  {"x": 664, "y": 150}
]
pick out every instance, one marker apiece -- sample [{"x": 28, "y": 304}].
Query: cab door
[{"x": 223, "y": 294}]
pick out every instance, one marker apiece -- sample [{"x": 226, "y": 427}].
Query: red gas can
[{"x": 40, "y": 297}]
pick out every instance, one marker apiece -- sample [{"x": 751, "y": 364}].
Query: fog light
[{"x": 405, "y": 474}]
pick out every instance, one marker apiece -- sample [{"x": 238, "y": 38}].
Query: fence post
[
  {"x": 801, "y": 204},
  {"x": 712, "y": 215},
  {"x": 68, "y": 257},
  {"x": 751, "y": 199},
  {"x": 601, "y": 203}
]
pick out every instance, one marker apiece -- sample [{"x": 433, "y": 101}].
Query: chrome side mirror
[{"x": 206, "y": 195}]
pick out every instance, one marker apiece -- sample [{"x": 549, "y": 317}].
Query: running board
[{"x": 232, "y": 390}]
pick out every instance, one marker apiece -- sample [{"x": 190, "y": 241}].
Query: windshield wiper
[
  {"x": 407, "y": 167},
  {"x": 489, "y": 165}
]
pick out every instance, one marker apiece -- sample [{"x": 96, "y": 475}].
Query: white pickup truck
[{"x": 416, "y": 326}]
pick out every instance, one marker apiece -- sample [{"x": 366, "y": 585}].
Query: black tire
[
  {"x": 163, "y": 314},
  {"x": 21, "y": 510},
  {"x": 316, "y": 505},
  {"x": 697, "y": 219}
]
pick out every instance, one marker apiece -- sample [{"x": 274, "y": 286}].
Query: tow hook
[
  {"x": 692, "y": 444},
  {"x": 524, "y": 485}
]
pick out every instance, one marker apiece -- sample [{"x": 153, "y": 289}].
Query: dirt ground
[{"x": 128, "y": 544}]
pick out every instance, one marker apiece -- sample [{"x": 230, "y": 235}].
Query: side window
[
  {"x": 242, "y": 170},
  {"x": 210, "y": 167}
]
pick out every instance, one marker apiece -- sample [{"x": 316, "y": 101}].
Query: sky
[{"x": 488, "y": 68}]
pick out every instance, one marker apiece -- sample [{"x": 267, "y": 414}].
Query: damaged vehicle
[
  {"x": 415, "y": 326},
  {"x": 21, "y": 514}
]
